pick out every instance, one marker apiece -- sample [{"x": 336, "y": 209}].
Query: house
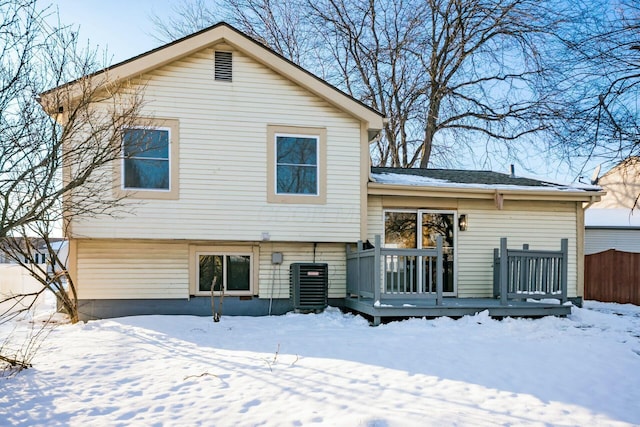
[
  {"x": 35, "y": 246},
  {"x": 15, "y": 279},
  {"x": 612, "y": 237},
  {"x": 262, "y": 168},
  {"x": 614, "y": 221}
]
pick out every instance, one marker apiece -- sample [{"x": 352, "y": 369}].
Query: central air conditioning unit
[{"x": 309, "y": 285}]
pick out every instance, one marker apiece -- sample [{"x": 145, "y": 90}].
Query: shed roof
[
  {"x": 459, "y": 176},
  {"x": 472, "y": 183}
]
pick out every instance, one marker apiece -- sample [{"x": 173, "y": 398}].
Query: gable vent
[{"x": 223, "y": 66}]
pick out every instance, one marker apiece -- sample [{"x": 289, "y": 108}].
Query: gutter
[{"x": 482, "y": 193}]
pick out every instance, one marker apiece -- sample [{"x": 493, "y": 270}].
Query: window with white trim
[
  {"x": 297, "y": 164},
  {"x": 231, "y": 273}
]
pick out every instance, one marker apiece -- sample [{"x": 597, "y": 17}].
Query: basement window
[
  {"x": 223, "y": 66},
  {"x": 230, "y": 270}
]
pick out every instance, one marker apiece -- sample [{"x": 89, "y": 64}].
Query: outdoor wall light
[{"x": 462, "y": 222}]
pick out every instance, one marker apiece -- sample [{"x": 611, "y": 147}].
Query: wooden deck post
[
  {"x": 525, "y": 272},
  {"x": 496, "y": 272},
  {"x": 564, "y": 247},
  {"x": 376, "y": 269},
  {"x": 504, "y": 271},
  {"x": 358, "y": 276},
  {"x": 439, "y": 270}
]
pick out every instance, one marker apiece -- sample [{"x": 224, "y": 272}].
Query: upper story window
[
  {"x": 149, "y": 165},
  {"x": 296, "y": 166},
  {"x": 146, "y": 158}
]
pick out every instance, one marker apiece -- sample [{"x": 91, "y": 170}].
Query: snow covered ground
[{"x": 334, "y": 369}]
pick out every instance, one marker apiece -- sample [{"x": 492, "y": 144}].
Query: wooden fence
[
  {"x": 612, "y": 276},
  {"x": 16, "y": 280}
]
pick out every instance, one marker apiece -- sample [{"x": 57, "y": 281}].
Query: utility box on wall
[{"x": 309, "y": 283}]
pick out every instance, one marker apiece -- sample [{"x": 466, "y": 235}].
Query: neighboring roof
[
  {"x": 473, "y": 181},
  {"x": 36, "y": 242},
  {"x": 612, "y": 218},
  {"x": 223, "y": 32}
]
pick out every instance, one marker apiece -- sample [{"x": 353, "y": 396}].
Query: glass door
[
  {"x": 402, "y": 229},
  {"x": 441, "y": 223}
]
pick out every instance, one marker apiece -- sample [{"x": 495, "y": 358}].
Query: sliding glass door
[{"x": 418, "y": 229}]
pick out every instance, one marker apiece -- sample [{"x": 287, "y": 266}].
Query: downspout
[
  {"x": 580, "y": 241},
  {"x": 375, "y": 138}
]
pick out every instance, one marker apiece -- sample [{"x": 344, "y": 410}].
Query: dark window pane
[
  {"x": 147, "y": 174},
  {"x": 297, "y": 180},
  {"x": 238, "y": 272},
  {"x": 296, "y": 150},
  {"x": 400, "y": 229},
  {"x": 210, "y": 271},
  {"x": 151, "y": 143}
]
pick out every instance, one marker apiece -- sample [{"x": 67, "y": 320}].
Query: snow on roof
[
  {"x": 505, "y": 182},
  {"x": 615, "y": 217}
]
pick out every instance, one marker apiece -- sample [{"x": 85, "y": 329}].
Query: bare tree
[
  {"x": 601, "y": 83},
  {"x": 185, "y": 18},
  {"x": 446, "y": 73},
  {"x": 56, "y": 145}
]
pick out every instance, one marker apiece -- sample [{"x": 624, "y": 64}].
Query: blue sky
[{"x": 121, "y": 27}]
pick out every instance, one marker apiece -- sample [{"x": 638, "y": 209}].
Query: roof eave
[
  {"x": 375, "y": 188},
  {"x": 220, "y": 33}
]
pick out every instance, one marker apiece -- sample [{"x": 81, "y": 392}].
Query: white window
[
  {"x": 229, "y": 269},
  {"x": 146, "y": 162},
  {"x": 296, "y": 170},
  {"x": 297, "y": 164}
]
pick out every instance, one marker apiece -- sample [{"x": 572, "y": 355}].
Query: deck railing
[
  {"x": 388, "y": 273},
  {"x": 524, "y": 273}
]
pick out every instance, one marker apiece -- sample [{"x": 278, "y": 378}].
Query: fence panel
[
  {"x": 16, "y": 280},
  {"x": 612, "y": 276}
]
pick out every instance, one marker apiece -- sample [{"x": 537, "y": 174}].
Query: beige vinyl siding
[
  {"x": 540, "y": 224},
  {"x": 622, "y": 187},
  {"x": 136, "y": 269},
  {"x": 274, "y": 279},
  {"x": 375, "y": 220},
  {"x": 132, "y": 269},
  {"x": 223, "y": 164}
]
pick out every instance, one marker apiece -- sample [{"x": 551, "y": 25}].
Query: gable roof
[
  {"x": 225, "y": 33},
  {"x": 472, "y": 184}
]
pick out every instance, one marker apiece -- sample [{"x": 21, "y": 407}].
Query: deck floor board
[{"x": 453, "y": 307}]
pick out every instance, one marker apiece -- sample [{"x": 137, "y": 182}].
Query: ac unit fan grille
[{"x": 309, "y": 284}]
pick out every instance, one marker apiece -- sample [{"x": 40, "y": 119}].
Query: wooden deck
[
  {"x": 399, "y": 282},
  {"x": 452, "y": 307}
]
